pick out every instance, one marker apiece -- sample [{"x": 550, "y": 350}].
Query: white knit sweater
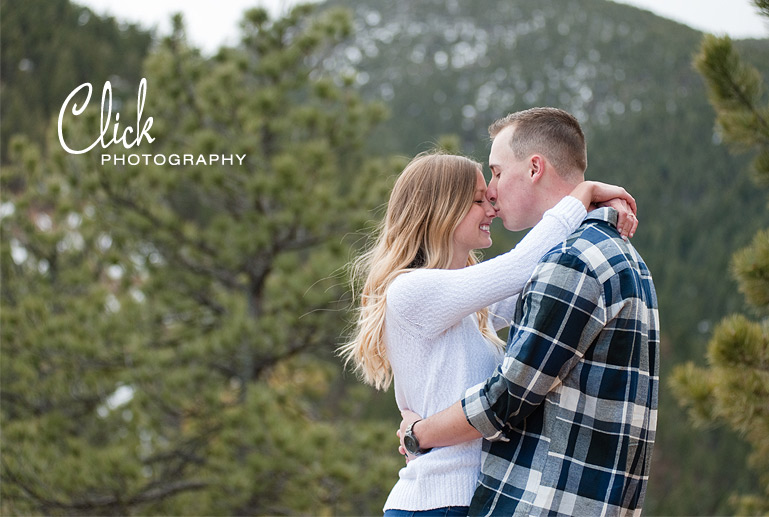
[{"x": 437, "y": 351}]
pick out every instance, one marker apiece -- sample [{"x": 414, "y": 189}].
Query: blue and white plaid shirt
[{"x": 570, "y": 415}]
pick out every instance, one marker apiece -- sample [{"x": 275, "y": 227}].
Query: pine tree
[
  {"x": 734, "y": 387},
  {"x": 168, "y": 330}
]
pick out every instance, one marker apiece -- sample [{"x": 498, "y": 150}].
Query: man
[{"x": 570, "y": 415}]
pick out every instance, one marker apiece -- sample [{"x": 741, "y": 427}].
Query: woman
[{"x": 428, "y": 322}]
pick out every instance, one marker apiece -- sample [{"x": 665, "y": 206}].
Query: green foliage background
[
  {"x": 168, "y": 332},
  {"x": 734, "y": 387}
]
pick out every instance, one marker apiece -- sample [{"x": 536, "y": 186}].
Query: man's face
[{"x": 511, "y": 187}]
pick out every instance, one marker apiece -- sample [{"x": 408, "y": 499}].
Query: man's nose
[{"x": 491, "y": 194}]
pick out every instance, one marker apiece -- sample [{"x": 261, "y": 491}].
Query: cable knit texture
[{"x": 437, "y": 351}]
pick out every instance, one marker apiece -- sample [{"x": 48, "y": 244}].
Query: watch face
[{"x": 410, "y": 443}]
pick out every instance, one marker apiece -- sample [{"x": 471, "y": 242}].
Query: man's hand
[{"x": 409, "y": 417}]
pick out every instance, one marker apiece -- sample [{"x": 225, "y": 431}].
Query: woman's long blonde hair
[{"x": 430, "y": 198}]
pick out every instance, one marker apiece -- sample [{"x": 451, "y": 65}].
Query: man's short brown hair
[{"x": 551, "y": 132}]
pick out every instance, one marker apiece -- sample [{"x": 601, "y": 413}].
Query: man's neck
[
  {"x": 553, "y": 188},
  {"x": 555, "y": 194}
]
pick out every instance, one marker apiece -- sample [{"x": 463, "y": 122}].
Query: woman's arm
[
  {"x": 431, "y": 300},
  {"x": 428, "y": 301},
  {"x": 594, "y": 194},
  {"x": 501, "y": 312}
]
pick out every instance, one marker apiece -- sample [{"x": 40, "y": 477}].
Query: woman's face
[{"x": 473, "y": 231}]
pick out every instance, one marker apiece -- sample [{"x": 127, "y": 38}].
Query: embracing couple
[{"x": 561, "y": 420}]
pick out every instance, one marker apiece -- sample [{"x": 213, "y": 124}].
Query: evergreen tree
[
  {"x": 734, "y": 387},
  {"x": 168, "y": 330}
]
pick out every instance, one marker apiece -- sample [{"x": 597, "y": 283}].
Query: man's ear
[{"x": 536, "y": 167}]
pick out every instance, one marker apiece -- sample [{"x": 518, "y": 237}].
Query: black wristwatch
[{"x": 411, "y": 443}]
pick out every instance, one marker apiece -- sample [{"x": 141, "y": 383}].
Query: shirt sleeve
[
  {"x": 429, "y": 301},
  {"x": 563, "y": 312}
]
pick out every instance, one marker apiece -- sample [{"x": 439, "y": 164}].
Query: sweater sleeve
[
  {"x": 501, "y": 313},
  {"x": 429, "y": 301}
]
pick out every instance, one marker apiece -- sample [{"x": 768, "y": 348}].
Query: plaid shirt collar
[{"x": 605, "y": 214}]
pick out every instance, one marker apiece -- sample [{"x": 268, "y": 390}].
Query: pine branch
[
  {"x": 225, "y": 277},
  {"x": 732, "y": 85},
  {"x": 763, "y": 7}
]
